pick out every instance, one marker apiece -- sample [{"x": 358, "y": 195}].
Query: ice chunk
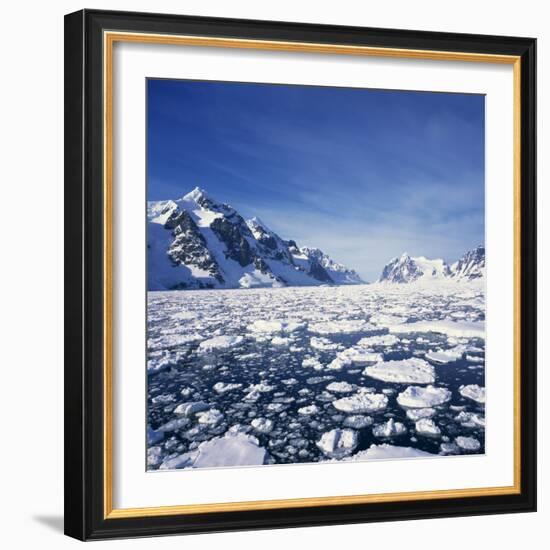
[
  {"x": 405, "y": 371},
  {"x": 474, "y": 392},
  {"x": 212, "y": 417},
  {"x": 426, "y": 426},
  {"x": 154, "y": 456},
  {"x": 265, "y": 326},
  {"x": 362, "y": 403},
  {"x": 357, "y": 421},
  {"x": 339, "y": 362},
  {"x": 262, "y": 425},
  {"x": 470, "y": 420},
  {"x": 468, "y": 443},
  {"x": 379, "y": 340},
  {"x": 187, "y": 409},
  {"x": 338, "y": 443},
  {"x": 417, "y": 414},
  {"x": 222, "y": 387},
  {"x": 449, "y": 448},
  {"x": 471, "y": 329},
  {"x": 446, "y": 356},
  {"x": 391, "y": 428},
  {"x": 344, "y": 326},
  {"x": 308, "y": 410},
  {"x": 311, "y": 362},
  {"x": 323, "y": 344},
  {"x": 378, "y": 452},
  {"x": 220, "y": 343},
  {"x": 232, "y": 449},
  {"x": 419, "y": 397},
  {"x": 280, "y": 341},
  {"x": 340, "y": 387}
]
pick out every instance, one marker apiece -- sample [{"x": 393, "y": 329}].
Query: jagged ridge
[
  {"x": 197, "y": 242},
  {"x": 407, "y": 269}
]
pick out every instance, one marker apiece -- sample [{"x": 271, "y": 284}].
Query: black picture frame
[{"x": 84, "y": 269}]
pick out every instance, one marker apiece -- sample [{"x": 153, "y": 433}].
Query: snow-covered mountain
[
  {"x": 471, "y": 266},
  {"x": 407, "y": 269},
  {"x": 197, "y": 242}
]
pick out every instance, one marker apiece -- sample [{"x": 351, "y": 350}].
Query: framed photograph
[{"x": 300, "y": 274}]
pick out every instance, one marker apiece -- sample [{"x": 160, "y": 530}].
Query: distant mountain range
[
  {"x": 196, "y": 242},
  {"x": 406, "y": 269}
]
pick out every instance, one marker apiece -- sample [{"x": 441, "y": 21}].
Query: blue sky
[{"x": 365, "y": 175}]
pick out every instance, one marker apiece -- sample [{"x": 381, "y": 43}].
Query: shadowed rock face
[
  {"x": 233, "y": 235},
  {"x": 471, "y": 266},
  {"x": 189, "y": 246},
  {"x": 319, "y": 272},
  {"x": 401, "y": 270}
]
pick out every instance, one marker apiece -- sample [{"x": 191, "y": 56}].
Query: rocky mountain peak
[
  {"x": 407, "y": 269},
  {"x": 198, "y": 242}
]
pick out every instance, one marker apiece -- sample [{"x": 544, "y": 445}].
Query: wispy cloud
[{"x": 362, "y": 174}]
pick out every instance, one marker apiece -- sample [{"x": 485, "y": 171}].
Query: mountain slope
[
  {"x": 197, "y": 242},
  {"x": 471, "y": 266}
]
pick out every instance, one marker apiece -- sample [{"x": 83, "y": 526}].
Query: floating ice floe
[
  {"x": 470, "y": 420},
  {"x": 357, "y": 421},
  {"x": 362, "y": 402},
  {"x": 447, "y": 448},
  {"x": 358, "y": 354},
  {"x": 471, "y": 329},
  {"x": 311, "y": 362},
  {"x": 323, "y": 344},
  {"x": 419, "y": 397},
  {"x": 308, "y": 410},
  {"x": 379, "y": 340},
  {"x": 426, "y": 426},
  {"x": 265, "y": 326},
  {"x": 187, "y": 409},
  {"x": 468, "y": 443},
  {"x": 222, "y": 387},
  {"x": 220, "y": 343},
  {"x": 417, "y": 414},
  {"x": 405, "y": 371},
  {"x": 340, "y": 387},
  {"x": 446, "y": 356},
  {"x": 383, "y": 451},
  {"x": 280, "y": 341},
  {"x": 391, "y": 428},
  {"x": 164, "y": 399},
  {"x": 276, "y": 407},
  {"x": 262, "y": 425},
  {"x": 338, "y": 443},
  {"x": 212, "y": 417},
  {"x": 232, "y": 449},
  {"x": 154, "y": 456},
  {"x": 473, "y": 392},
  {"x": 345, "y": 326},
  {"x": 384, "y": 319}
]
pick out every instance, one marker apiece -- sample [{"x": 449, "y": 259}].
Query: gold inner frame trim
[{"x": 109, "y": 39}]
